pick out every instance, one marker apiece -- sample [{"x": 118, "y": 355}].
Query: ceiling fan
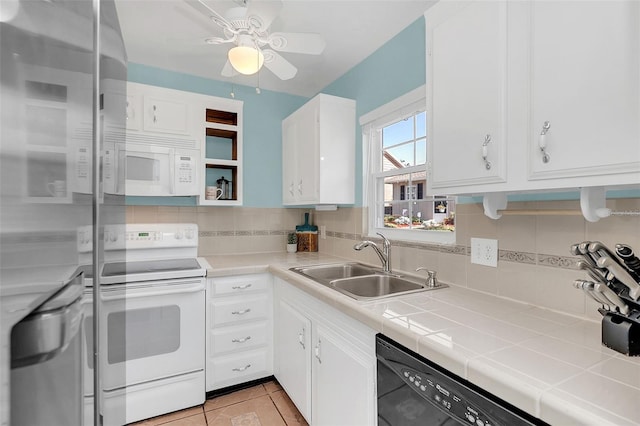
[{"x": 247, "y": 27}]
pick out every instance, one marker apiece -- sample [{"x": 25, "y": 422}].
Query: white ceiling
[{"x": 170, "y": 34}]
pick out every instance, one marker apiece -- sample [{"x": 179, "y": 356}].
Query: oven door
[{"x": 154, "y": 330}]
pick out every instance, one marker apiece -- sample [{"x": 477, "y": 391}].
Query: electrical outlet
[
  {"x": 323, "y": 232},
  {"x": 484, "y": 252}
]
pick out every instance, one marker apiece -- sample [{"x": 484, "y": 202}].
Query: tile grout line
[{"x": 277, "y": 409}]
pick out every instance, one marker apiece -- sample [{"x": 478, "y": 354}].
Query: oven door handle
[{"x": 151, "y": 291}]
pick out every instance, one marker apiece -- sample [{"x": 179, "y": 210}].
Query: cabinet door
[
  {"x": 165, "y": 116},
  {"x": 585, "y": 82},
  {"x": 466, "y": 93},
  {"x": 343, "y": 382},
  {"x": 133, "y": 116},
  {"x": 306, "y": 184},
  {"x": 289, "y": 161},
  {"x": 293, "y": 356}
]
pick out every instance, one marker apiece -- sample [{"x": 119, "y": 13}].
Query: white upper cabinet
[
  {"x": 585, "y": 83},
  {"x": 466, "y": 94},
  {"x": 318, "y": 152},
  {"x": 504, "y": 69},
  {"x": 166, "y": 116}
]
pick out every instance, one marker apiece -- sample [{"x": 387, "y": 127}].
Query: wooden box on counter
[{"x": 307, "y": 241}]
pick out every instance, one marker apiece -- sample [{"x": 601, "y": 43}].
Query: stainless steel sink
[
  {"x": 376, "y": 286},
  {"x": 362, "y": 282},
  {"x": 328, "y": 273}
]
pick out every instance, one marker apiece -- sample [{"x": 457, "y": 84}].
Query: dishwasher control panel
[{"x": 427, "y": 386}]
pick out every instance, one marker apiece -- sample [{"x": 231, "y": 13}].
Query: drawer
[
  {"x": 236, "y": 367},
  {"x": 241, "y": 284},
  {"x": 240, "y": 309},
  {"x": 238, "y": 338}
]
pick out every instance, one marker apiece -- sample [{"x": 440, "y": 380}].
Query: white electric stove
[{"x": 152, "y": 346}]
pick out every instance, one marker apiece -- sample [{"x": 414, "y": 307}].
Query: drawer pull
[
  {"x": 244, "y": 339},
  {"x": 301, "y": 338},
  {"x": 317, "y": 350},
  {"x": 542, "y": 142},
  {"x": 242, "y": 368},
  {"x": 246, "y": 311},
  {"x": 241, "y": 287},
  {"x": 485, "y": 152}
]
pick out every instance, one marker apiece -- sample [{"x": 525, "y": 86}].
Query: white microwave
[{"x": 151, "y": 170}]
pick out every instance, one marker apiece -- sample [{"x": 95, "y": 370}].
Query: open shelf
[{"x": 222, "y": 153}]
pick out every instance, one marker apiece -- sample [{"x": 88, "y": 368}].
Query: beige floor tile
[
  {"x": 245, "y": 414},
  {"x": 171, "y": 417},
  {"x": 287, "y": 409},
  {"x": 271, "y": 387},
  {"x": 197, "y": 420},
  {"x": 235, "y": 397}
]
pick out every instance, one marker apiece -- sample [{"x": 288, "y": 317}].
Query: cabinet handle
[
  {"x": 241, "y": 287},
  {"x": 291, "y": 188},
  {"x": 485, "y": 152},
  {"x": 242, "y": 368},
  {"x": 318, "y": 352},
  {"x": 542, "y": 142},
  {"x": 241, "y": 312},
  {"x": 301, "y": 338},
  {"x": 244, "y": 339},
  {"x": 300, "y": 187},
  {"x": 155, "y": 118}
]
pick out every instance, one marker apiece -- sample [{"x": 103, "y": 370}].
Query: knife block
[{"x": 622, "y": 333}]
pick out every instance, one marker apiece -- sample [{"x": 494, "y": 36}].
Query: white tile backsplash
[{"x": 536, "y": 267}]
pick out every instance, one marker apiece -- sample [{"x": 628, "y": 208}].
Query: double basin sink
[{"x": 362, "y": 282}]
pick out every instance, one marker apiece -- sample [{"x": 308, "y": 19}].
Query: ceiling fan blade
[
  {"x": 278, "y": 65},
  {"x": 265, "y": 11},
  {"x": 218, "y": 40},
  {"x": 309, "y": 43},
  {"x": 228, "y": 71},
  {"x": 202, "y": 8}
]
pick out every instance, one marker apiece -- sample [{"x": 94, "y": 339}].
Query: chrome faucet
[{"x": 384, "y": 255}]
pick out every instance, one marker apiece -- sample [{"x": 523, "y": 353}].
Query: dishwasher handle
[{"x": 47, "y": 331}]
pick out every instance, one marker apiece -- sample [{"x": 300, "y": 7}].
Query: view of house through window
[{"x": 400, "y": 181}]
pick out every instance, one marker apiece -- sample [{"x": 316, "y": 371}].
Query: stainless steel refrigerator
[{"x": 59, "y": 61}]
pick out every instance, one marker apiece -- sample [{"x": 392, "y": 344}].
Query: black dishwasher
[{"x": 414, "y": 391}]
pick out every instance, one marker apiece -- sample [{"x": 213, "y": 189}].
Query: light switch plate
[{"x": 484, "y": 251}]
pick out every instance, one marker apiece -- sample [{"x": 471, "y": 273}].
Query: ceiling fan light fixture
[{"x": 246, "y": 60}]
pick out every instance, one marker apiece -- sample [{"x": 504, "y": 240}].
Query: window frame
[{"x": 372, "y": 123}]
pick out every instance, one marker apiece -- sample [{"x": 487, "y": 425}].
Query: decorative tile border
[
  {"x": 563, "y": 262},
  {"x": 516, "y": 256}
]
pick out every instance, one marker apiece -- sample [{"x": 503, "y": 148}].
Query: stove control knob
[
  {"x": 178, "y": 235},
  {"x": 406, "y": 374}
]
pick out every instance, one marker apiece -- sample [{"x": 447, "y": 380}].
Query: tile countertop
[{"x": 549, "y": 364}]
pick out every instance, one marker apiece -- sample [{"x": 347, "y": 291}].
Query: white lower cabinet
[
  {"x": 239, "y": 329},
  {"x": 324, "y": 360}
]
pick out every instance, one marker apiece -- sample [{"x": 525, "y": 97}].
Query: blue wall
[
  {"x": 391, "y": 71},
  {"x": 262, "y": 133}
]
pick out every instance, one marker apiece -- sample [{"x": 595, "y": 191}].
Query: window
[{"x": 395, "y": 166}]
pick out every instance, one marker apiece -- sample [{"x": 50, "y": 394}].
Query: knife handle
[
  {"x": 622, "y": 275},
  {"x": 613, "y": 297},
  {"x": 625, "y": 253}
]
